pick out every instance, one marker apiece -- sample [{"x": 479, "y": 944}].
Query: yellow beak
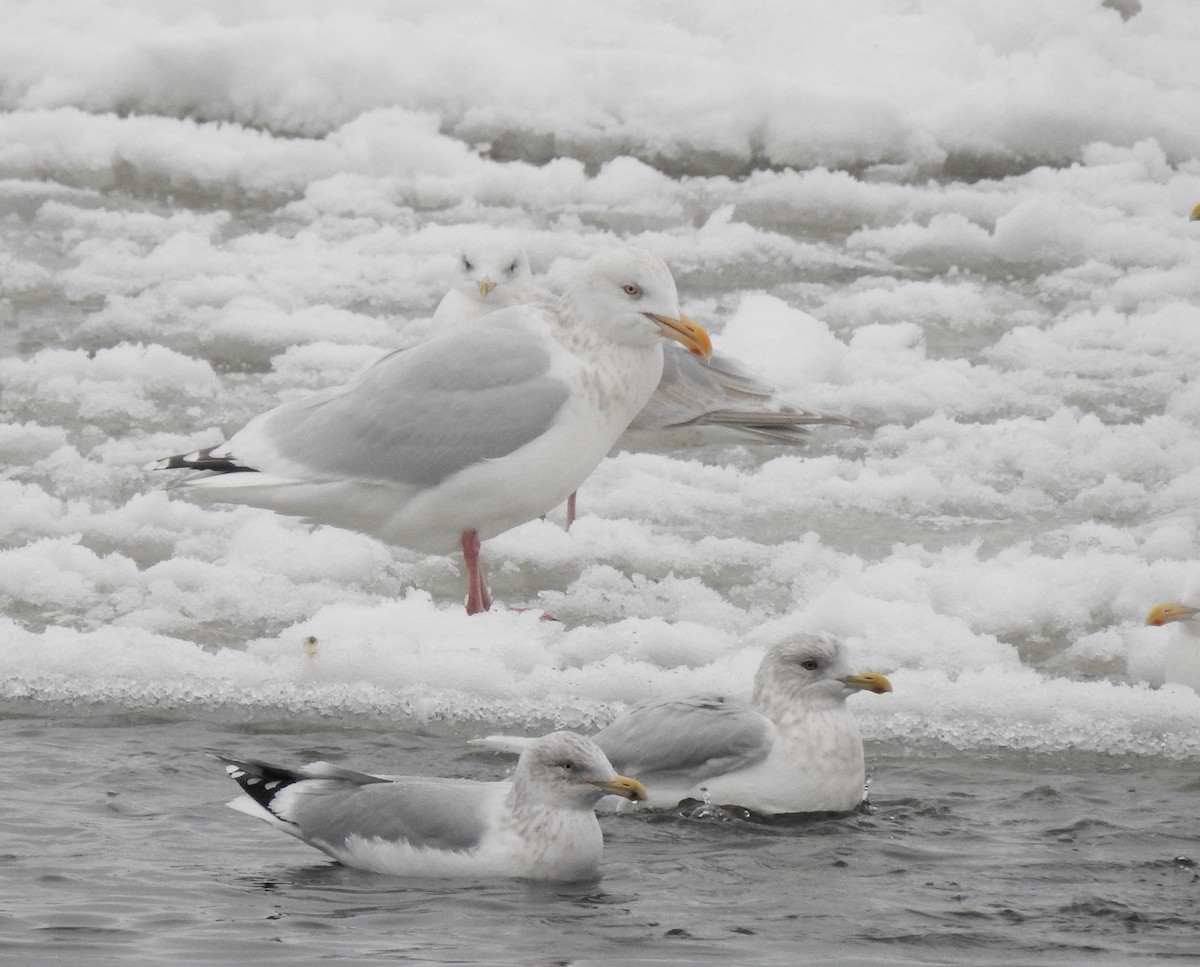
[
  {"x": 486, "y": 286},
  {"x": 1168, "y": 611},
  {"x": 685, "y": 331},
  {"x": 624, "y": 787},
  {"x": 868, "y": 682}
]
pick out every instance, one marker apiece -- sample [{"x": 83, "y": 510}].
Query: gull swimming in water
[
  {"x": 793, "y": 748},
  {"x": 469, "y": 433},
  {"x": 541, "y": 825},
  {"x": 697, "y": 401},
  {"x": 1182, "y": 659}
]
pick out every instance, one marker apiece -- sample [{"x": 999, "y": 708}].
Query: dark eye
[
  {"x": 811, "y": 664},
  {"x": 467, "y": 264},
  {"x": 513, "y": 267},
  {"x": 568, "y": 765},
  {"x": 632, "y": 289}
]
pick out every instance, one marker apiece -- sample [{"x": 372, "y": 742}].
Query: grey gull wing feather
[
  {"x": 721, "y": 391},
  {"x": 420, "y": 415},
  {"x": 705, "y": 733},
  {"x": 422, "y": 812}
]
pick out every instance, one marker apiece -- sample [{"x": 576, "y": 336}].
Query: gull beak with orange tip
[
  {"x": 622, "y": 786},
  {"x": 685, "y": 331},
  {"x": 1168, "y": 611},
  {"x": 867, "y": 682}
]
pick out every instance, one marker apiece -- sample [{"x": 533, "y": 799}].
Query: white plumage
[
  {"x": 470, "y": 433},
  {"x": 541, "y": 825},
  {"x": 1181, "y": 661},
  {"x": 794, "y": 748}
]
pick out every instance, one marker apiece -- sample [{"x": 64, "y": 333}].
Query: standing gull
[
  {"x": 793, "y": 748},
  {"x": 697, "y": 401},
  {"x": 1182, "y": 659},
  {"x": 540, "y": 826},
  {"x": 471, "y": 432}
]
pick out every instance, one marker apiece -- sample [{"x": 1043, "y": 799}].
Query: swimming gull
[
  {"x": 469, "y": 433},
  {"x": 697, "y": 401},
  {"x": 793, "y": 748},
  {"x": 541, "y": 825},
  {"x": 1182, "y": 658}
]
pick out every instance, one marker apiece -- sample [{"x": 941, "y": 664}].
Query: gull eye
[
  {"x": 467, "y": 264},
  {"x": 568, "y": 765},
  {"x": 512, "y": 268},
  {"x": 632, "y": 289},
  {"x": 810, "y": 664}
]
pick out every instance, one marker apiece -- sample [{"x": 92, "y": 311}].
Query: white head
[
  {"x": 630, "y": 294},
  {"x": 494, "y": 272},
  {"x": 568, "y": 771},
  {"x": 813, "y": 668}
]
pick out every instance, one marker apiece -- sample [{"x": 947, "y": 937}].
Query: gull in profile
[
  {"x": 542, "y": 825},
  {"x": 793, "y": 748},
  {"x": 471, "y": 432}
]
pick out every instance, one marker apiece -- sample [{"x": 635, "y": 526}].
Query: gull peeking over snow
[
  {"x": 793, "y": 748},
  {"x": 471, "y": 432},
  {"x": 492, "y": 273},
  {"x": 541, "y": 825},
  {"x": 1182, "y": 658}
]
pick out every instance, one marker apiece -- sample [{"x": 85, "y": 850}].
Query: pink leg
[
  {"x": 478, "y": 598},
  {"x": 570, "y": 511}
]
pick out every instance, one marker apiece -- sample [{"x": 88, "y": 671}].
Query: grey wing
[
  {"x": 438, "y": 813},
  {"x": 419, "y": 415},
  {"x": 722, "y": 392},
  {"x": 702, "y": 734}
]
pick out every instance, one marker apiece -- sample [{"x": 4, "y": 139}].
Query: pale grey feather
[
  {"x": 709, "y": 733},
  {"x": 720, "y": 391},
  {"x": 419, "y": 416},
  {"x": 423, "y": 812}
]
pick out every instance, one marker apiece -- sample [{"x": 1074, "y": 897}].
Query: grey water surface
[{"x": 116, "y": 848}]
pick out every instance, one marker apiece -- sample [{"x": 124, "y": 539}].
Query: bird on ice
[
  {"x": 542, "y": 825},
  {"x": 697, "y": 401},
  {"x": 471, "y": 432},
  {"x": 1182, "y": 658},
  {"x": 492, "y": 273},
  {"x": 793, "y": 748},
  {"x": 715, "y": 393}
]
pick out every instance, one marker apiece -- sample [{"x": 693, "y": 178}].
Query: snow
[{"x": 963, "y": 224}]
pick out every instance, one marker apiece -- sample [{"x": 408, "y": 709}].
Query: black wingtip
[
  {"x": 199, "y": 460},
  {"x": 261, "y": 781}
]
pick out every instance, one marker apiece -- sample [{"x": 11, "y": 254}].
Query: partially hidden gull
[
  {"x": 1182, "y": 657},
  {"x": 472, "y": 432},
  {"x": 492, "y": 273},
  {"x": 793, "y": 748},
  {"x": 542, "y": 825},
  {"x": 697, "y": 401}
]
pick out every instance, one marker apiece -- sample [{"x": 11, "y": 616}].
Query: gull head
[
  {"x": 568, "y": 770},
  {"x": 811, "y": 667},
  {"x": 629, "y": 294},
  {"x": 493, "y": 272}
]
